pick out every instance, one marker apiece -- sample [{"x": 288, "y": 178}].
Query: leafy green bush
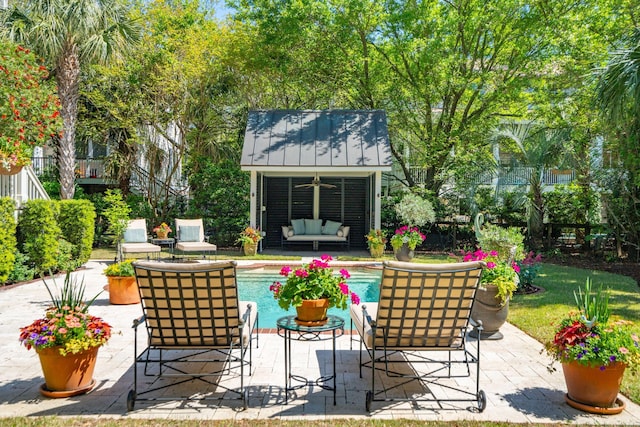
[
  {"x": 221, "y": 198},
  {"x": 39, "y": 234},
  {"x": 22, "y": 270},
  {"x": 77, "y": 222},
  {"x": 7, "y": 237}
]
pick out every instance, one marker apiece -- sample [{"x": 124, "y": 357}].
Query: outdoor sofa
[{"x": 315, "y": 231}]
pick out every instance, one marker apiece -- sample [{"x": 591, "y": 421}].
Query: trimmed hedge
[
  {"x": 8, "y": 244},
  {"x": 39, "y": 234},
  {"x": 77, "y": 223}
]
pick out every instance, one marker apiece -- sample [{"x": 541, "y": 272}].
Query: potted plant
[
  {"x": 415, "y": 212},
  {"x": 376, "y": 241},
  {"x": 312, "y": 289},
  {"x": 499, "y": 281},
  {"x": 594, "y": 352},
  {"x": 162, "y": 231},
  {"x": 123, "y": 288},
  {"x": 67, "y": 340},
  {"x": 249, "y": 237},
  {"x": 404, "y": 242}
]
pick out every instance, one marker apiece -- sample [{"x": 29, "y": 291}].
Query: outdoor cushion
[
  {"x": 343, "y": 231},
  {"x": 290, "y": 233},
  {"x": 331, "y": 227},
  {"x": 298, "y": 226},
  {"x": 313, "y": 226},
  {"x": 135, "y": 235},
  {"x": 189, "y": 233}
]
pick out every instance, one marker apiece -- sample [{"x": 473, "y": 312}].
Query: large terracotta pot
[
  {"x": 312, "y": 312},
  {"x": 67, "y": 375},
  {"x": 376, "y": 251},
  {"x": 250, "y": 249},
  {"x": 162, "y": 234},
  {"x": 594, "y": 390},
  {"x": 123, "y": 290},
  {"x": 404, "y": 253},
  {"x": 491, "y": 311}
]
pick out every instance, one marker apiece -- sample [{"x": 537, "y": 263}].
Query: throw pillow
[
  {"x": 313, "y": 226},
  {"x": 135, "y": 235},
  {"x": 189, "y": 233},
  {"x": 298, "y": 226},
  {"x": 290, "y": 233},
  {"x": 331, "y": 227}
]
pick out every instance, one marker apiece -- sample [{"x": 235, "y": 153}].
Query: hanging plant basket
[{"x": 13, "y": 170}]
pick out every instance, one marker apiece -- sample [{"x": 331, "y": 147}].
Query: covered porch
[{"x": 316, "y": 165}]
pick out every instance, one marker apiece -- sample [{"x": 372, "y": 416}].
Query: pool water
[{"x": 253, "y": 285}]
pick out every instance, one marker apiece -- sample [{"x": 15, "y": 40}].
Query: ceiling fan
[{"x": 315, "y": 183}]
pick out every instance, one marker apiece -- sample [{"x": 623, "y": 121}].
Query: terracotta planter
[
  {"x": 250, "y": 249},
  {"x": 491, "y": 311},
  {"x": 123, "y": 290},
  {"x": 376, "y": 251},
  {"x": 312, "y": 312},
  {"x": 13, "y": 170},
  {"x": 68, "y": 375},
  {"x": 162, "y": 234},
  {"x": 593, "y": 390},
  {"x": 404, "y": 253}
]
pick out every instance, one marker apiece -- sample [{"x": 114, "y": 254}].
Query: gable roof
[{"x": 310, "y": 140}]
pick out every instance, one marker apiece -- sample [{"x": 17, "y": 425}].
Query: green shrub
[
  {"x": 77, "y": 222},
  {"x": 39, "y": 234},
  {"x": 65, "y": 259},
  {"x": 22, "y": 270},
  {"x": 221, "y": 198},
  {"x": 7, "y": 238}
]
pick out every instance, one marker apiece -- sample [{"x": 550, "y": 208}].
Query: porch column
[
  {"x": 253, "y": 202},
  {"x": 377, "y": 204}
]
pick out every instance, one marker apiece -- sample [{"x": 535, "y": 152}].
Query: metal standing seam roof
[{"x": 311, "y": 140}]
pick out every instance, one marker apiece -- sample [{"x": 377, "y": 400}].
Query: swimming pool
[{"x": 253, "y": 285}]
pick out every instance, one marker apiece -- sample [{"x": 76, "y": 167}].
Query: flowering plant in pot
[
  {"x": 123, "y": 288},
  {"x": 501, "y": 273},
  {"x": 414, "y": 211},
  {"x": 162, "y": 230},
  {"x": 411, "y": 236},
  {"x": 594, "y": 351},
  {"x": 376, "y": 241},
  {"x": 311, "y": 282},
  {"x": 499, "y": 281},
  {"x": 249, "y": 237},
  {"x": 67, "y": 339}
]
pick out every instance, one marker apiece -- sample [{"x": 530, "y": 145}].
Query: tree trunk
[{"x": 67, "y": 76}]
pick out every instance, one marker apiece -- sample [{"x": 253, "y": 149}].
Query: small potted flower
[
  {"x": 415, "y": 212},
  {"x": 162, "y": 231},
  {"x": 376, "y": 241},
  {"x": 499, "y": 281},
  {"x": 404, "y": 242},
  {"x": 312, "y": 289},
  {"x": 594, "y": 351},
  {"x": 123, "y": 288},
  {"x": 249, "y": 237},
  {"x": 67, "y": 340}
]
